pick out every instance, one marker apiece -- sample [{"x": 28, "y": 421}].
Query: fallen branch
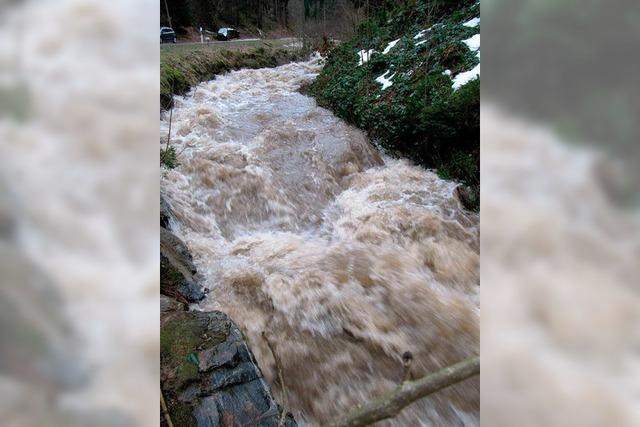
[
  {"x": 390, "y": 404},
  {"x": 165, "y": 410}
]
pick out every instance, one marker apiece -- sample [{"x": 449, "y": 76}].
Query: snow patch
[
  {"x": 474, "y": 22},
  {"x": 364, "y": 56},
  {"x": 465, "y": 77},
  {"x": 390, "y": 46},
  {"x": 384, "y": 81},
  {"x": 421, "y": 42},
  {"x": 473, "y": 42},
  {"x": 447, "y": 72},
  {"x": 422, "y": 33}
]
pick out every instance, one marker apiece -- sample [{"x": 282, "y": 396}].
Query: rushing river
[{"x": 347, "y": 259}]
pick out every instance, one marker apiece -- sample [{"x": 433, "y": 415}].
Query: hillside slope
[{"x": 410, "y": 78}]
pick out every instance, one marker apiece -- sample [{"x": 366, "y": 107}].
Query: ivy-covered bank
[{"x": 411, "y": 78}]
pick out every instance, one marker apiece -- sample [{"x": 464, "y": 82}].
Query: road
[{"x": 283, "y": 42}]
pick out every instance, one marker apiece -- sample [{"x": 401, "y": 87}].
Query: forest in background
[{"x": 309, "y": 18}]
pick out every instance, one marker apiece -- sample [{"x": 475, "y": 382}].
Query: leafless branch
[
  {"x": 165, "y": 410},
  {"x": 390, "y": 404}
]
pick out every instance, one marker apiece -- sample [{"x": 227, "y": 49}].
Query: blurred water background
[
  {"x": 560, "y": 245},
  {"x": 79, "y": 234}
]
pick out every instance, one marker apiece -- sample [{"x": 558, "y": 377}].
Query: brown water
[{"x": 346, "y": 258}]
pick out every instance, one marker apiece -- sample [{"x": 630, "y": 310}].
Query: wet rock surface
[
  {"x": 178, "y": 275},
  {"x": 168, "y": 304},
  {"x": 209, "y": 376},
  {"x": 165, "y": 213}
]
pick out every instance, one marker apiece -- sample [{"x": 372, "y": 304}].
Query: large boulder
[{"x": 209, "y": 376}]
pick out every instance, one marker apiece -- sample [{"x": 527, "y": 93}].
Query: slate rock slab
[{"x": 209, "y": 376}]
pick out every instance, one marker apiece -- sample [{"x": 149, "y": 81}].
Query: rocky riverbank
[{"x": 208, "y": 374}]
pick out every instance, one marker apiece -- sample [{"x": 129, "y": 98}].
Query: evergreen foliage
[{"x": 421, "y": 115}]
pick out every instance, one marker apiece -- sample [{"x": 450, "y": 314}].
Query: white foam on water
[{"x": 302, "y": 228}]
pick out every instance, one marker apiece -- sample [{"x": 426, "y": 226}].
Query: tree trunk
[
  {"x": 324, "y": 19},
  {"x": 286, "y": 12},
  {"x": 166, "y": 6}
]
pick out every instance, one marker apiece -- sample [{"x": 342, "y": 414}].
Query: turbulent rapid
[{"x": 343, "y": 257}]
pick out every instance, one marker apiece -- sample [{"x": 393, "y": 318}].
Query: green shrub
[{"x": 168, "y": 157}]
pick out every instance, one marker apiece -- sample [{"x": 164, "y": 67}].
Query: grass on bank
[{"x": 184, "y": 66}]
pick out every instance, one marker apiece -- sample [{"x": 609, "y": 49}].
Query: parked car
[
  {"x": 167, "y": 35},
  {"x": 228, "y": 34}
]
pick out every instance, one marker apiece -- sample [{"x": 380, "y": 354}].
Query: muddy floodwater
[{"x": 345, "y": 258}]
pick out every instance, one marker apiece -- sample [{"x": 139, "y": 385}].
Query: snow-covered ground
[
  {"x": 473, "y": 43},
  {"x": 465, "y": 77},
  {"x": 385, "y": 81},
  {"x": 364, "y": 56},
  {"x": 390, "y": 46},
  {"x": 474, "y": 22}
]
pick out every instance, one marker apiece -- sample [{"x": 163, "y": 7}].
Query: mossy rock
[
  {"x": 178, "y": 274},
  {"x": 209, "y": 376},
  {"x": 168, "y": 304},
  {"x": 182, "y": 336}
]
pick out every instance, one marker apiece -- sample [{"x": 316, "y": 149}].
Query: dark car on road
[
  {"x": 228, "y": 34},
  {"x": 167, "y": 35}
]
